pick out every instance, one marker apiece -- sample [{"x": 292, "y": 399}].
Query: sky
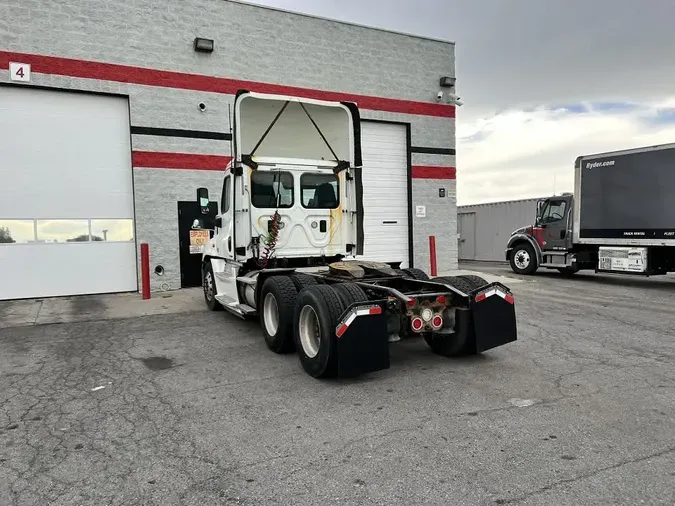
[{"x": 542, "y": 81}]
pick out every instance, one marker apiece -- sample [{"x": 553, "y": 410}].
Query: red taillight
[
  {"x": 417, "y": 324},
  {"x": 441, "y": 299},
  {"x": 412, "y": 302},
  {"x": 437, "y": 322}
]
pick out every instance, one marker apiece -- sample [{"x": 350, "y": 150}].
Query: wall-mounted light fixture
[
  {"x": 204, "y": 45},
  {"x": 448, "y": 82}
]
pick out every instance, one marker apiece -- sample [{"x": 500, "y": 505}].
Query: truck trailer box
[{"x": 626, "y": 197}]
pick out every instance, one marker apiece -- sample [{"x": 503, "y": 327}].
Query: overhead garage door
[
  {"x": 385, "y": 192},
  {"x": 66, "y": 194}
]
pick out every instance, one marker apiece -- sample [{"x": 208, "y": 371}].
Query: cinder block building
[{"x": 112, "y": 114}]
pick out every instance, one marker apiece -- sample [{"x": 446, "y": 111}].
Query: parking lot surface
[{"x": 189, "y": 407}]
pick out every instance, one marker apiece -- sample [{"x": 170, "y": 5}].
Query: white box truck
[{"x": 620, "y": 219}]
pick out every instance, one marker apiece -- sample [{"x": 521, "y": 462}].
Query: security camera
[
  {"x": 439, "y": 97},
  {"x": 202, "y": 106},
  {"x": 455, "y": 100}
]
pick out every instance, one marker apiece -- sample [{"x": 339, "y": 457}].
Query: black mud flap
[
  {"x": 494, "y": 317},
  {"x": 362, "y": 340}
]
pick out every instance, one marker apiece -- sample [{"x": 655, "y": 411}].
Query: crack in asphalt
[{"x": 584, "y": 476}]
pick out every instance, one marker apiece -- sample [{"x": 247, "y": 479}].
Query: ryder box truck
[{"x": 620, "y": 219}]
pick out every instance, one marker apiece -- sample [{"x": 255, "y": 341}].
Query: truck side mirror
[{"x": 203, "y": 200}]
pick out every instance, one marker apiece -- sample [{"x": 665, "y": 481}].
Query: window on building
[
  {"x": 270, "y": 190},
  {"x": 51, "y": 231},
  {"x": 320, "y": 191},
  {"x": 17, "y": 231},
  {"x": 112, "y": 230}
]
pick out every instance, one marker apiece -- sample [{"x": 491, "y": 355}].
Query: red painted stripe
[
  {"x": 433, "y": 172},
  {"x": 156, "y": 160},
  {"x": 189, "y": 161},
  {"x": 168, "y": 79}
]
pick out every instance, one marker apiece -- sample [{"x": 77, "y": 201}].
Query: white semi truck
[
  {"x": 287, "y": 248},
  {"x": 620, "y": 219}
]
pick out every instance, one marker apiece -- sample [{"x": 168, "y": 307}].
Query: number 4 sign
[{"x": 19, "y": 72}]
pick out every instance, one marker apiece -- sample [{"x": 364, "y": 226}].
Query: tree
[{"x": 5, "y": 236}]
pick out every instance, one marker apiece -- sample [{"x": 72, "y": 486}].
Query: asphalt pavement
[{"x": 189, "y": 407}]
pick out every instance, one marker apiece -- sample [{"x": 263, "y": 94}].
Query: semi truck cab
[{"x": 546, "y": 243}]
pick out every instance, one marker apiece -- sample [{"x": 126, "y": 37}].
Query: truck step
[{"x": 235, "y": 307}]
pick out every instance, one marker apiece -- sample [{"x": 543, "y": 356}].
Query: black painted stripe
[
  {"x": 176, "y": 132},
  {"x": 220, "y": 136},
  {"x": 433, "y": 151}
]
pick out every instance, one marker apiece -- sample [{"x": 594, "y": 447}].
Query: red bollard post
[
  {"x": 432, "y": 255},
  {"x": 145, "y": 270}
]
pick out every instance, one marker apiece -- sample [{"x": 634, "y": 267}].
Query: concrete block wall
[{"x": 129, "y": 41}]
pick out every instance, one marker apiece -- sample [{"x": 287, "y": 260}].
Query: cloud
[
  {"x": 603, "y": 68},
  {"x": 521, "y": 154}
]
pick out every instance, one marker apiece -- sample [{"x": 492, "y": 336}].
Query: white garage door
[
  {"x": 385, "y": 192},
  {"x": 66, "y": 194}
]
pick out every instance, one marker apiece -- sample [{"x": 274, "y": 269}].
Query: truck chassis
[{"x": 342, "y": 318}]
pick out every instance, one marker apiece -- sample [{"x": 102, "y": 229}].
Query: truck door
[
  {"x": 553, "y": 222},
  {"x": 225, "y": 245}
]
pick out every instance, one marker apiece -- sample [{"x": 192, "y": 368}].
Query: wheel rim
[
  {"x": 208, "y": 286},
  {"x": 522, "y": 259},
  {"x": 271, "y": 314},
  {"x": 310, "y": 333}
]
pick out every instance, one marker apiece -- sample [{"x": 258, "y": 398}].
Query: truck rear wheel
[
  {"x": 277, "y": 303},
  {"x": 455, "y": 344},
  {"x": 476, "y": 281},
  {"x": 450, "y": 345},
  {"x": 417, "y": 274},
  {"x": 350, "y": 293},
  {"x": 523, "y": 259},
  {"x": 301, "y": 280},
  {"x": 461, "y": 284},
  {"x": 317, "y": 313}
]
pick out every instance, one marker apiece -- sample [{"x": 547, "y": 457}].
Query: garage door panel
[
  {"x": 65, "y": 165},
  {"x": 385, "y": 191},
  {"x": 32, "y": 271},
  {"x": 65, "y": 142}
]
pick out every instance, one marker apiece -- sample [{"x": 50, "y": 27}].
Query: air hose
[{"x": 271, "y": 241}]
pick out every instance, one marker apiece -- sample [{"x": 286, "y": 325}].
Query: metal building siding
[
  {"x": 155, "y": 39},
  {"x": 494, "y": 223}
]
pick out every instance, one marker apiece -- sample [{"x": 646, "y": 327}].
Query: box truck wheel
[
  {"x": 523, "y": 259},
  {"x": 209, "y": 284},
  {"x": 317, "y": 313},
  {"x": 277, "y": 303}
]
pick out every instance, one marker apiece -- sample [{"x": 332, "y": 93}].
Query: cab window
[
  {"x": 320, "y": 191},
  {"x": 271, "y": 190},
  {"x": 554, "y": 211}
]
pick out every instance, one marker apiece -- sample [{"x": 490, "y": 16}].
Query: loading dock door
[
  {"x": 385, "y": 192},
  {"x": 66, "y": 194}
]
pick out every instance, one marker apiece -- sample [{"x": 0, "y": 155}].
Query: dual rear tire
[
  {"x": 299, "y": 314},
  {"x": 456, "y": 343}
]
